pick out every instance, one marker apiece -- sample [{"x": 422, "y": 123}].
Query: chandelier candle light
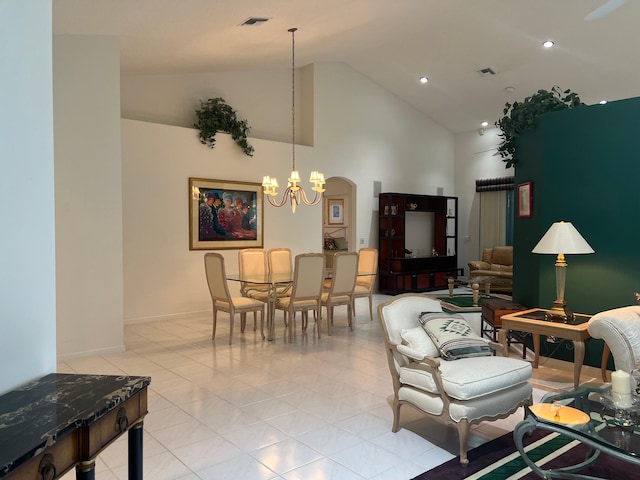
[
  {"x": 560, "y": 239},
  {"x": 294, "y": 192}
]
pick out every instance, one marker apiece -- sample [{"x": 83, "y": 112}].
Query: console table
[{"x": 51, "y": 424}]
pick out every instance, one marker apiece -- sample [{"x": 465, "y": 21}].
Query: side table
[
  {"x": 491, "y": 320},
  {"x": 533, "y": 321}
]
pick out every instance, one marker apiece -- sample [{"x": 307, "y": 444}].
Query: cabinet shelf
[{"x": 420, "y": 223}]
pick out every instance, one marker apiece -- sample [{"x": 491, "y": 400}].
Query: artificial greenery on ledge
[
  {"x": 214, "y": 116},
  {"x": 521, "y": 116}
]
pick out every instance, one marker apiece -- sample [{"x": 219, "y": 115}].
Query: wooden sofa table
[
  {"x": 51, "y": 424},
  {"x": 533, "y": 321}
]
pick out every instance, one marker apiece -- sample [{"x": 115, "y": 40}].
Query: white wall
[
  {"x": 263, "y": 98},
  {"x": 362, "y": 133},
  {"x": 88, "y": 194},
  {"x": 475, "y": 159},
  {"x": 162, "y": 277},
  {"x": 27, "y": 243}
]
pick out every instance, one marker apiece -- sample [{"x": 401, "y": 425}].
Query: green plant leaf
[
  {"x": 215, "y": 115},
  {"x": 521, "y": 116}
]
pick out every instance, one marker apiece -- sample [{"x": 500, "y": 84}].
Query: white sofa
[{"x": 462, "y": 392}]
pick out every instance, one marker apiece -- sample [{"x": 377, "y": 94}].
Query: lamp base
[{"x": 559, "y": 313}]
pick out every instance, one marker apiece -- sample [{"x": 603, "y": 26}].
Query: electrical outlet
[{"x": 362, "y": 241}]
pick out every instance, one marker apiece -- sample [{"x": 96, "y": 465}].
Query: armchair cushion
[
  {"x": 469, "y": 378},
  {"x": 453, "y": 336},
  {"x": 417, "y": 339}
]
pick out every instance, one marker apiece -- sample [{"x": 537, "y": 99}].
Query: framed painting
[
  {"x": 335, "y": 211},
  {"x": 224, "y": 214},
  {"x": 524, "y": 200}
]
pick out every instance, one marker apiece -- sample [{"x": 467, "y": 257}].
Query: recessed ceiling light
[
  {"x": 602, "y": 102},
  {"x": 510, "y": 89},
  {"x": 485, "y": 124},
  {"x": 424, "y": 79},
  {"x": 548, "y": 44}
]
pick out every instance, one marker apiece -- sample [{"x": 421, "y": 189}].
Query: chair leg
[
  {"x": 255, "y": 323},
  {"x": 292, "y": 320},
  {"x": 463, "y": 434},
  {"x": 370, "y": 307},
  {"x": 231, "y": 319},
  {"x": 215, "y": 322},
  {"x": 350, "y": 317},
  {"x": 329, "y": 318},
  {"x": 317, "y": 326},
  {"x": 262, "y": 323},
  {"x": 396, "y": 414},
  {"x": 243, "y": 322}
]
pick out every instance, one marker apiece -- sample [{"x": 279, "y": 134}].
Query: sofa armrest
[{"x": 479, "y": 265}]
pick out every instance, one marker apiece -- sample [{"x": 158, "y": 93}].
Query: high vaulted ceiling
[{"x": 393, "y": 42}]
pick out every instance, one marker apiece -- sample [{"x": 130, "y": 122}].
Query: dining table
[{"x": 275, "y": 282}]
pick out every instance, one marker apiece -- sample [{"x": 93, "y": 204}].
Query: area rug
[
  {"x": 500, "y": 460},
  {"x": 464, "y": 303}
]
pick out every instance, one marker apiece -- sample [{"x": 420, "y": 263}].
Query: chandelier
[{"x": 294, "y": 192}]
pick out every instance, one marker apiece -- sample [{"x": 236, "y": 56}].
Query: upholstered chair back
[
  {"x": 620, "y": 329},
  {"x": 216, "y": 277}
]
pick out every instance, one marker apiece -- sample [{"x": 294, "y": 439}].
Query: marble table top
[{"x": 34, "y": 415}]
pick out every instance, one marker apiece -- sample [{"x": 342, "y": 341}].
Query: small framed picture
[
  {"x": 524, "y": 200},
  {"x": 335, "y": 211}
]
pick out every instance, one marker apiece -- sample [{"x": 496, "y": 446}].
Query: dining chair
[
  {"x": 308, "y": 275},
  {"x": 222, "y": 299},
  {"x": 253, "y": 262},
  {"x": 367, "y": 269},
  {"x": 345, "y": 269},
  {"x": 280, "y": 263}
]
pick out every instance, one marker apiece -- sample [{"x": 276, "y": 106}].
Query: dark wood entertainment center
[{"x": 436, "y": 230}]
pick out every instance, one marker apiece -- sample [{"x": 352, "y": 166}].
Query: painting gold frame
[{"x": 225, "y": 214}]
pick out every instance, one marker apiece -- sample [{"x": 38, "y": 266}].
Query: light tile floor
[{"x": 313, "y": 409}]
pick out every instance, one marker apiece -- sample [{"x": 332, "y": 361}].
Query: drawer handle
[
  {"x": 46, "y": 468},
  {"x": 122, "y": 422}
]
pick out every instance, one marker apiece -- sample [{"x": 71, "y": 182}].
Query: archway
[{"x": 340, "y": 192}]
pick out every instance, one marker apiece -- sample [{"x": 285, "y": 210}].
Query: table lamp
[{"x": 562, "y": 238}]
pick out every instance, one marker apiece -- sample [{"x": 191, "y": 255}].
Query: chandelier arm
[
  {"x": 313, "y": 202},
  {"x": 282, "y": 201}
]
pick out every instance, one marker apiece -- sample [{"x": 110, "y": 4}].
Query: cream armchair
[{"x": 462, "y": 392}]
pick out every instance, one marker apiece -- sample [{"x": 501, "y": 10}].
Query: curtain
[{"x": 493, "y": 219}]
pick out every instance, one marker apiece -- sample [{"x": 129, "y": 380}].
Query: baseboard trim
[
  {"x": 170, "y": 316},
  {"x": 90, "y": 353}
]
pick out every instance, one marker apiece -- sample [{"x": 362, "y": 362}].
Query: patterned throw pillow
[
  {"x": 330, "y": 244},
  {"x": 453, "y": 336}
]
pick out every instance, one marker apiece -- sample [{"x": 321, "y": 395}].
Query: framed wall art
[
  {"x": 335, "y": 211},
  {"x": 524, "y": 200},
  {"x": 225, "y": 214}
]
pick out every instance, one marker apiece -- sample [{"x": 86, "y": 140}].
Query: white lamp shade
[{"x": 562, "y": 237}]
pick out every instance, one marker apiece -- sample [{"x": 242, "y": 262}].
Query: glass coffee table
[{"x": 588, "y": 415}]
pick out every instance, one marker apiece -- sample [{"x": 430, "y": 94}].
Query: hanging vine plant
[
  {"x": 522, "y": 116},
  {"x": 215, "y": 116}
]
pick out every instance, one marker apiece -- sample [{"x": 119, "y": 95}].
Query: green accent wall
[{"x": 584, "y": 165}]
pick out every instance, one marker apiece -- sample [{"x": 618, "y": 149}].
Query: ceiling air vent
[
  {"x": 253, "y": 21},
  {"x": 486, "y": 72}
]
